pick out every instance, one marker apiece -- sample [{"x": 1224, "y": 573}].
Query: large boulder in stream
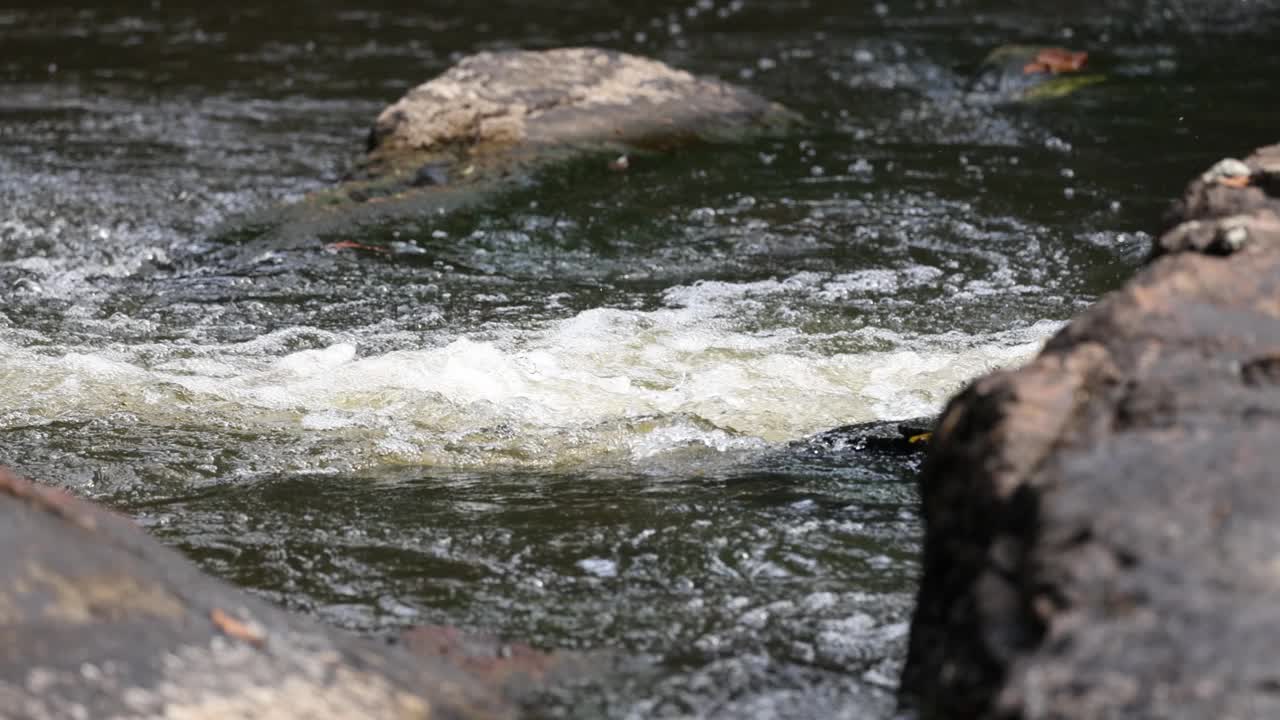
[
  {"x": 491, "y": 121},
  {"x": 1103, "y": 525},
  {"x": 98, "y": 620}
]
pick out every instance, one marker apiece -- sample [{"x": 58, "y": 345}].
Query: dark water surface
[{"x": 566, "y": 418}]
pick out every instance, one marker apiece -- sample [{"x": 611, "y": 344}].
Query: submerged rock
[
  {"x": 99, "y": 620},
  {"x": 493, "y": 119},
  {"x": 1030, "y": 72},
  {"x": 894, "y": 436},
  {"x": 1102, "y": 525}
]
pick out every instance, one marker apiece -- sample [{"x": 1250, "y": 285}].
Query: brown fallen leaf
[
  {"x": 1056, "y": 60},
  {"x": 352, "y": 245},
  {"x": 236, "y": 628}
]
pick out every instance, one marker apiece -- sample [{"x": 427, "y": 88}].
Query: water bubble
[
  {"x": 600, "y": 567},
  {"x": 755, "y": 619},
  {"x": 1057, "y": 144},
  {"x": 802, "y": 652},
  {"x": 391, "y": 606},
  {"x": 860, "y": 167},
  {"x": 817, "y": 602},
  {"x": 702, "y": 215}
]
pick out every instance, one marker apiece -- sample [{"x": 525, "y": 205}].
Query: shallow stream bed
[{"x": 571, "y": 417}]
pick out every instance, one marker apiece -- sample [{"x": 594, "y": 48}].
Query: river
[{"x": 570, "y": 417}]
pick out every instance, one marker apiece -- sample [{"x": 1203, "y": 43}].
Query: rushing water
[{"x": 568, "y": 417}]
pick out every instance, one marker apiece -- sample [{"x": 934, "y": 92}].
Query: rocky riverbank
[
  {"x": 1101, "y": 525},
  {"x": 97, "y": 619}
]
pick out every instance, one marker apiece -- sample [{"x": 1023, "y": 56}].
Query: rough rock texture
[
  {"x": 1230, "y": 204},
  {"x": 493, "y": 121},
  {"x": 1103, "y": 525},
  {"x": 496, "y": 115},
  {"x": 570, "y": 95},
  {"x": 97, "y": 620},
  {"x": 517, "y": 670},
  {"x": 894, "y": 436}
]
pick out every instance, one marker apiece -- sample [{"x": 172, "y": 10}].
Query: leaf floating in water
[
  {"x": 352, "y": 245},
  {"x": 1055, "y": 61}
]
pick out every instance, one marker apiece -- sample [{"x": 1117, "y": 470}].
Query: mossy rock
[{"x": 1013, "y": 73}]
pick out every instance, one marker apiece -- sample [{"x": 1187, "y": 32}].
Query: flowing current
[
  {"x": 576, "y": 416},
  {"x": 603, "y": 386}
]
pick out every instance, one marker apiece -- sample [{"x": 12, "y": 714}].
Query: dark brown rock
[
  {"x": 1233, "y": 203},
  {"x": 98, "y": 620},
  {"x": 1103, "y": 525},
  {"x": 894, "y": 436}
]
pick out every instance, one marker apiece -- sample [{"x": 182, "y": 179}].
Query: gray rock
[
  {"x": 97, "y": 620},
  {"x": 494, "y": 119},
  {"x": 490, "y": 125},
  {"x": 1102, "y": 525},
  {"x": 584, "y": 98}
]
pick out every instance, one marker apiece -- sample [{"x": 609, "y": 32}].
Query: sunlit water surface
[{"x": 567, "y": 417}]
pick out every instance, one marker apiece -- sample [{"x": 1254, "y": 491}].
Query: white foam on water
[{"x": 605, "y": 383}]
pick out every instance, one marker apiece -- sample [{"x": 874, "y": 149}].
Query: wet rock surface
[
  {"x": 99, "y": 620},
  {"x": 1233, "y": 203},
  {"x": 920, "y": 225},
  {"x": 1013, "y": 73},
  {"x": 492, "y": 101},
  {"x": 495, "y": 118},
  {"x": 1101, "y": 525},
  {"x": 900, "y": 436}
]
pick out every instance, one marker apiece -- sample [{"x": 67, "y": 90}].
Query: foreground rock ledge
[
  {"x": 1103, "y": 525},
  {"x": 97, "y": 620}
]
